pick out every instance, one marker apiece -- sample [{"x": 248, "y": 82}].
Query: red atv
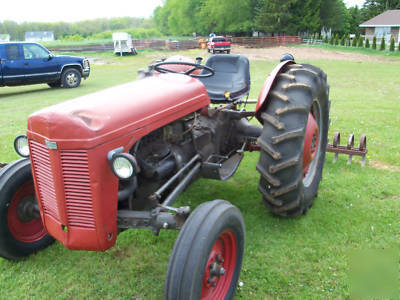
[{"x": 119, "y": 158}]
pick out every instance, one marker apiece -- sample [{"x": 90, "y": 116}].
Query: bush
[
  {"x": 392, "y": 45},
  {"x": 360, "y": 41},
  {"x": 367, "y": 43},
  {"x": 343, "y": 40},
  {"x": 326, "y": 40},
  {"x": 374, "y": 43},
  {"x": 399, "y": 46},
  {"x": 332, "y": 40},
  {"x": 354, "y": 42},
  {"x": 383, "y": 44},
  {"x": 72, "y": 38}
]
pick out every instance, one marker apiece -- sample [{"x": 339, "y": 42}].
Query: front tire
[
  {"x": 20, "y": 233},
  {"x": 293, "y": 140},
  {"x": 207, "y": 256},
  {"x": 71, "y": 78}
]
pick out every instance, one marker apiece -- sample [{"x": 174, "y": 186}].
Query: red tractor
[{"x": 119, "y": 158}]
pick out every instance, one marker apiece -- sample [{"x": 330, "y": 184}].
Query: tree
[
  {"x": 392, "y": 45},
  {"x": 367, "y": 43},
  {"x": 354, "y": 19},
  {"x": 374, "y": 43},
  {"x": 372, "y": 8},
  {"x": 383, "y": 44},
  {"x": 360, "y": 41}
]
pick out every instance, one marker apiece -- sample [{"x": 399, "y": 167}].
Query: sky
[
  {"x": 74, "y": 10},
  {"x": 78, "y": 10},
  {"x": 350, "y": 3}
]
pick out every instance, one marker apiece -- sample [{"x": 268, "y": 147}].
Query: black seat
[{"x": 232, "y": 74}]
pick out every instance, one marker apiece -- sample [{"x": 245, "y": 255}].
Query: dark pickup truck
[{"x": 24, "y": 63}]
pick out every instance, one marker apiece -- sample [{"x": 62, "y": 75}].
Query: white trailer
[{"x": 123, "y": 43}]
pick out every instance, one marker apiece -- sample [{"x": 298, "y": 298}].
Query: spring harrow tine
[{"x": 349, "y": 149}]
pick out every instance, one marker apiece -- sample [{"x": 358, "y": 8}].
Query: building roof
[{"x": 388, "y": 18}]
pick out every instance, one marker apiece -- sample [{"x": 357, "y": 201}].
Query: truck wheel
[
  {"x": 55, "y": 84},
  {"x": 213, "y": 51},
  {"x": 228, "y": 51},
  {"x": 21, "y": 232},
  {"x": 293, "y": 140},
  {"x": 207, "y": 256},
  {"x": 71, "y": 78}
]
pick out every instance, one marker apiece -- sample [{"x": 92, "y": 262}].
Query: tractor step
[
  {"x": 221, "y": 167},
  {"x": 350, "y": 150}
]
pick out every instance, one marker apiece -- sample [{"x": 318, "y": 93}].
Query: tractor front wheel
[
  {"x": 21, "y": 230},
  {"x": 293, "y": 140},
  {"x": 207, "y": 256}
]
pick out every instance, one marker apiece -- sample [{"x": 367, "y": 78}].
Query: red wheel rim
[
  {"x": 311, "y": 143},
  {"x": 27, "y": 232},
  {"x": 220, "y": 267}
]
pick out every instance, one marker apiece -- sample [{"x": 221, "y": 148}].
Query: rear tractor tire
[
  {"x": 21, "y": 232},
  {"x": 207, "y": 256},
  {"x": 293, "y": 140}
]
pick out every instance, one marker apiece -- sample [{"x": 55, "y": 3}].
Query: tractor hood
[{"x": 97, "y": 118}]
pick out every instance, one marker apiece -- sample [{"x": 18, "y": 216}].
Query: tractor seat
[{"x": 232, "y": 74}]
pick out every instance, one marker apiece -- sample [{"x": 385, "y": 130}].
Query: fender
[
  {"x": 269, "y": 82},
  {"x": 71, "y": 65}
]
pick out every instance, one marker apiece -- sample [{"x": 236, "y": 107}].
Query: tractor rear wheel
[
  {"x": 21, "y": 231},
  {"x": 207, "y": 256},
  {"x": 293, "y": 140}
]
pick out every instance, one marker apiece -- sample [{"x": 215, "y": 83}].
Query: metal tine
[
  {"x": 363, "y": 147},
  {"x": 350, "y": 145},
  {"x": 336, "y": 142}
]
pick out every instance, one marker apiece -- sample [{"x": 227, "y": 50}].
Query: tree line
[
  {"x": 83, "y": 29},
  {"x": 242, "y": 17},
  {"x": 236, "y": 17}
]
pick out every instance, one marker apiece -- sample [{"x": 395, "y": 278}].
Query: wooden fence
[{"x": 267, "y": 41}]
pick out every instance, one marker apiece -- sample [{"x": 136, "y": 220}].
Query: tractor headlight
[
  {"x": 123, "y": 165},
  {"x": 21, "y": 145}
]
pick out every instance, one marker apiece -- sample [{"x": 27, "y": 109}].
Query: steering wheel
[{"x": 158, "y": 67}]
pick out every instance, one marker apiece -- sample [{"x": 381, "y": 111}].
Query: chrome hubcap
[{"x": 72, "y": 79}]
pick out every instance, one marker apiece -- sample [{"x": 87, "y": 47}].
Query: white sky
[
  {"x": 77, "y": 10},
  {"x": 350, "y": 3},
  {"x": 74, "y": 10}
]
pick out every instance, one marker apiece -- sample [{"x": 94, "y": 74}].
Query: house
[
  {"x": 385, "y": 25},
  {"x": 38, "y": 36},
  {"x": 4, "y": 37}
]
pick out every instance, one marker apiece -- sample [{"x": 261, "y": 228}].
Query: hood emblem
[{"x": 51, "y": 145}]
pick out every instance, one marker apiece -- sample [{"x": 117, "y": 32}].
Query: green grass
[
  {"x": 362, "y": 50},
  {"x": 304, "y": 258}
]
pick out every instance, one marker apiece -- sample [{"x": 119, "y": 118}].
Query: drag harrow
[{"x": 350, "y": 150}]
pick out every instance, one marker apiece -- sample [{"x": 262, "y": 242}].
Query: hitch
[{"x": 350, "y": 150}]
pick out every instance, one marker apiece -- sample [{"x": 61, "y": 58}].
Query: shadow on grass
[{"x": 24, "y": 92}]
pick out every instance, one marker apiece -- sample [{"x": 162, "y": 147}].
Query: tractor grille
[
  {"x": 76, "y": 182},
  {"x": 44, "y": 179},
  {"x": 78, "y": 195}
]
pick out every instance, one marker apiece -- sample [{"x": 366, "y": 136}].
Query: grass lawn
[
  {"x": 362, "y": 50},
  {"x": 357, "y": 208}
]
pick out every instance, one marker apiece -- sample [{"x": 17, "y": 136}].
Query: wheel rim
[
  {"x": 311, "y": 150},
  {"x": 72, "y": 79},
  {"x": 26, "y": 229},
  {"x": 220, "y": 267}
]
